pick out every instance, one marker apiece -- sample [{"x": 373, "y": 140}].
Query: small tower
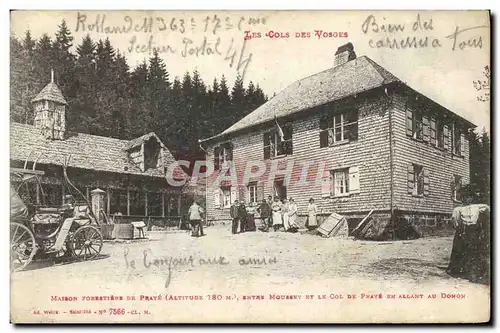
[{"x": 50, "y": 111}]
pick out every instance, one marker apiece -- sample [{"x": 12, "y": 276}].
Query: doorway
[{"x": 280, "y": 188}]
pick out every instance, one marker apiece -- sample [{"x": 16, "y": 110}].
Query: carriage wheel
[
  {"x": 86, "y": 243},
  {"x": 22, "y": 246}
]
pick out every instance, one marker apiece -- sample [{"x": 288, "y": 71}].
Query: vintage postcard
[{"x": 250, "y": 166}]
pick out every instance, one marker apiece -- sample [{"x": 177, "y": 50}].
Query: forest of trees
[{"x": 106, "y": 97}]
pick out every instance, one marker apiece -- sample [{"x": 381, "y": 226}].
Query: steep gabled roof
[
  {"x": 351, "y": 78},
  {"x": 355, "y": 76},
  {"x": 51, "y": 93},
  {"x": 87, "y": 151}
]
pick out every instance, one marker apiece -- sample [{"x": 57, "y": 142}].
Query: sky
[{"x": 453, "y": 46}]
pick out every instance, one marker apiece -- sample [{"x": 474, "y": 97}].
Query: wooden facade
[{"x": 380, "y": 156}]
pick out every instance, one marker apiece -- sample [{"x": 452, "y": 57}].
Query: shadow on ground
[
  {"x": 44, "y": 263},
  {"x": 404, "y": 268}
]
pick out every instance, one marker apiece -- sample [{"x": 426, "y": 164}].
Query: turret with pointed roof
[{"x": 50, "y": 111}]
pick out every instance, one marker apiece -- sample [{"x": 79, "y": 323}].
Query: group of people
[
  {"x": 274, "y": 214},
  {"x": 242, "y": 216}
]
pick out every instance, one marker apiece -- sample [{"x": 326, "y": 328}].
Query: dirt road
[{"x": 239, "y": 269}]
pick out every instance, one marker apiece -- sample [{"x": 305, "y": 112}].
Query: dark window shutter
[
  {"x": 409, "y": 121},
  {"x": 267, "y": 145},
  {"x": 324, "y": 125},
  {"x": 462, "y": 144},
  {"x": 288, "y": 136},
  {"x": 446, "y": 130},
  {"x": 216, "y": 158},
  {"x": 433, "y": 132},
  {"x": 353, "y": 127},
  {"x": 229, "y": 151},
  {"x": 426, "y": 182},
  {"x": 411, "y": 179},
  {"x": 426, "y": 129},
  {"x": 260, "y": 191}
]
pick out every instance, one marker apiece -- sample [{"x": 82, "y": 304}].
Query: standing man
[
  {"x": 265, "y": 213},
  {"x": 270, "y": 203},
  {"x": 195, "y": 212},
  {"x": 234, "y": 211},
  {"x": 242, "y": 214}
]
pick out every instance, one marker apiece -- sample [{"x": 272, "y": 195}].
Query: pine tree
[
  {"x": 158, "y": 90},
  {"x": 139, "y": 92},
  {"x": 84, "y": 118}
]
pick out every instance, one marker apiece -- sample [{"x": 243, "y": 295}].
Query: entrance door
[{"x": 280, "y": 188}]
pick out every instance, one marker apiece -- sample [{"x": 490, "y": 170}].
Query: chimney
[{"x": 344, "y": 54}]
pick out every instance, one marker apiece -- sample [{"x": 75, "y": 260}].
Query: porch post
[
  {"x": 179, "y": 205},
  {"x": 162, "y": 204},
  {"x": 108, "y": 204},
  {"x": 145, "y": 203},
  {"x": 63, "y": 193},
  {"x": 128, "y": 201},
  {"x": 38, "y": 195}
]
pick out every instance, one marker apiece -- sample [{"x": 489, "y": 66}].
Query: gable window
[
  {"x": 457, "y": 184},
  {"x": 275, "y": 146},
  {"x": 222, "y": 155},
  {"x": 252, "y": 192},
  {"x": 151, "y": 154},
  {"x": 418, "y": 180},
  {"x": 342, "y": 127},
  {"x": 340, "y": 182}
]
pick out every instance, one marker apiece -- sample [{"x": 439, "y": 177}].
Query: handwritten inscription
[
  {"x": 170, "y": 263},
  {"x": 413, "y": 35},
  {"x": 151, "y": 24}
]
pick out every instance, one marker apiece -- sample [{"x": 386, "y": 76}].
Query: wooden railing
[{"x": 150, "y": 221}]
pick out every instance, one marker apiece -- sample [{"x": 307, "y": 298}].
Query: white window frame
[
  {"x": 415, "y": 180},
  {"x": 340, "y": 186},
  {"x": 274, "y": 142},
  {"x": 333, "y": 131},
  {"x": 223, "y": 156},
  {"x": 226, "y": 197},
  {"x": 252, "y": 189}
]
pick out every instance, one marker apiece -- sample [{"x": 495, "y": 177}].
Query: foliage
[{"x": 105, "y": 97}]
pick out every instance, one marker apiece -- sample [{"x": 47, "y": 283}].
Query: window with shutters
[
  {"x": 341, "y": 182},
  {"x": 458, "y": 141},
  {"x": 457, "y": 184},
  {"x": 418, "y": 125},
  {"x": 418, "y": 180},
  {"x": 275, "y": 146},
  {"x": 440, "y": 134},
  {"x": 252, "y": 192},
  {"x": 338, "y": 128},
  {"x": 222, "y": 155},
  {"x": 226, "y": 197}
]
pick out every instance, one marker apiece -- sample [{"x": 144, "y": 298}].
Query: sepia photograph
[{"x": 250, "y": 167}]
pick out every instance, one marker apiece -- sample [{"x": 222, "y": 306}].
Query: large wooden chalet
[
  {"x": 355, "y": 138},
  {"x": 132, "y": 173}
]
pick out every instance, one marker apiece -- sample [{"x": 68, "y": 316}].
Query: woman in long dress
[
  {"x": 292, "y": 216},
  {"x": 284, "y": 214},
  {"x": 312, "y": 212},
  {"x": 276, "y": 208},
  {"x": 251, "y": 217}
]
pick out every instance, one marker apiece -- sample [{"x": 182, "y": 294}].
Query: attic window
[{"x": 151, "y": 154}]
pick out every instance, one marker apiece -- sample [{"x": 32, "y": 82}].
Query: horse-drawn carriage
[{"x": 37, "y": 231}]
